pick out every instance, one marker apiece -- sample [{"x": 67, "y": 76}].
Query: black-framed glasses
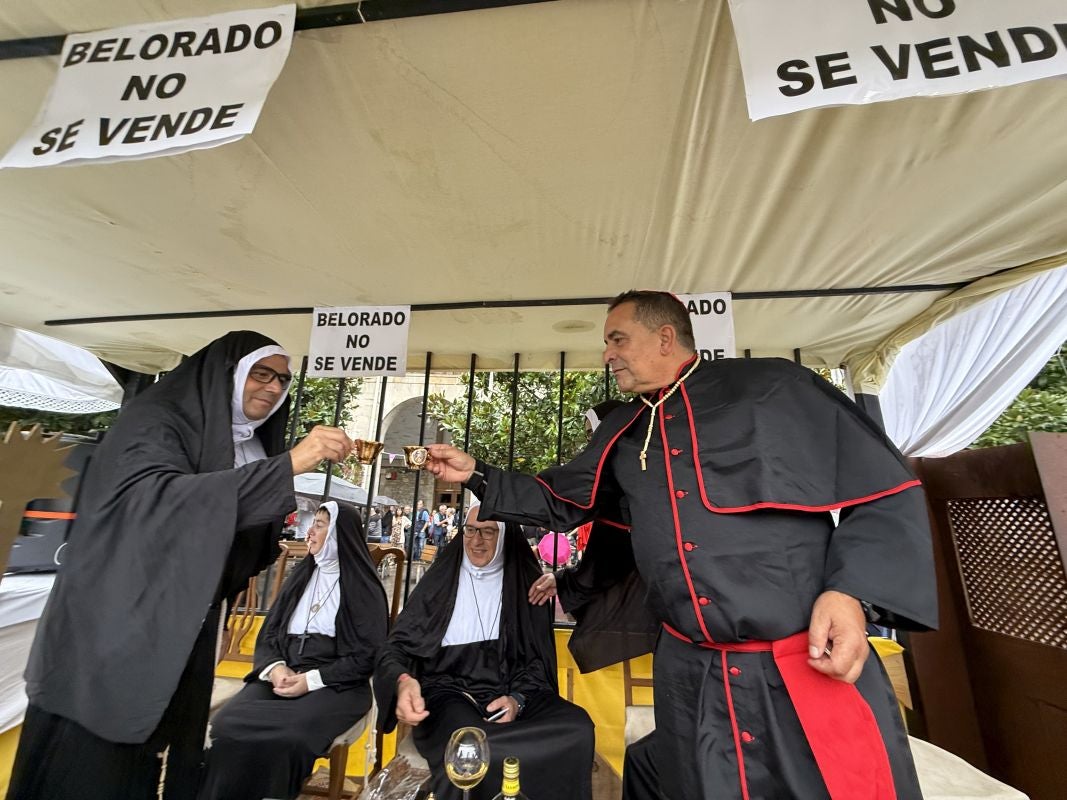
[
  {"x": 470, "y": 531},
  {"x": 264, "y": 375}
]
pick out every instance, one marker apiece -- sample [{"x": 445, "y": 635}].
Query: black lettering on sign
[
  {"x": 361, "y": 340},
  {"x": 934, "y": 9},
  {"x": 1033, "y": 44},
  {"x": 183, "y": 43},
  {"x": 705, "y": 306},
  {"x": 993, "y": 49},
  {"x": 169, "y": 85},
  {"x": 211, "y": 43},
  {"x": 793, "y": 72},
  {"x": 898, "y": 70},
  {"x": 77, "y": 53},
  {"x": 102, "y": 50},
  {"x": 58, "y": 139},
  {"x": 238, "y": 38},
  {"x": 268, "y": 34},
  {"x": 368, "y": 363},
  {"x": 713, "y": 355},
  {"x": 323, "y": 363},
  {"x": 830, "y": 65},
  {"x": 924, "y": 51}
]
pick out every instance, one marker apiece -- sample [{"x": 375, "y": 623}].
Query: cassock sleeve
[
  {"x": 881, "y": 553},
  {"x": 355, "y": 662},
  {"x": 608, "y": 560},
  {"x": 269, "y": 648},
  {"x": 393, "y": 662}
]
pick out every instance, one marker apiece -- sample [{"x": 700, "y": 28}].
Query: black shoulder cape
[
  {"x": 362, "y": 618},
  {"x": 417, "y": 635},
  {"x": 166, "y": 525}
]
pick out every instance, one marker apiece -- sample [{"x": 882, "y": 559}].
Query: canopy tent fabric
[
  {"x": 43, "y": 373},
  {"x": 560, "y": 150},
  {"x": 949, "y": 385},
  {"x": 313, "y": 484}
]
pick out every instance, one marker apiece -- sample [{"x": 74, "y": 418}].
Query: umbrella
[
  {"x": 312, "y": 484},
  {"x": 385, "y": 500}
]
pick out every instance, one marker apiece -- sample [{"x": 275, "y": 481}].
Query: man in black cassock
[
  {"x": 467, "y": 646},
  {"x": 726, "y": 472},
  {"x": 183, "y": 502},
  {"x": 310, "y": 678}
]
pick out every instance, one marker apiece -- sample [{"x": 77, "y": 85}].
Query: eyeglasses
[
  {"x": 264, "y": 375},
  {"x": 470, "y": 531}
]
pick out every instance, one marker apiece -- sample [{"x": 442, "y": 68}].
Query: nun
[
  {"x": 182, "y": 502},
  {"x": 313, "y": 661},
  {"x": 469, "y": 650}
]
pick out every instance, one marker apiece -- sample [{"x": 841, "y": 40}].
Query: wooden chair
[
  {"x": 640, "y": 719},
  {"x": 429, "y": 553},
  {"x": 341, "y": 745}
]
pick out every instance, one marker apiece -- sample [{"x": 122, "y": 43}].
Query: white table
[{"x": 22, "y": 599}]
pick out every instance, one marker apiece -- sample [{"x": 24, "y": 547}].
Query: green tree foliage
[
  {"x": 317, "y": 408},
  {"x": 536, "y": 428},
  {"x": 1041, "y": 406},
  {"x": 81, "y": 424}
]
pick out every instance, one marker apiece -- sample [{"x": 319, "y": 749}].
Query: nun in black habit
[
  {"x": 182, "y": 502},
  {"x": 468, "y": 645},
  {"x": 313, "y": 661}
]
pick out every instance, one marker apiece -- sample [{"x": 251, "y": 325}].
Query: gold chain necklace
[{"x": 657, "y": 404}]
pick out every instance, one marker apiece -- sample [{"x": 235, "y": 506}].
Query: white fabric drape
[{"x": 948, "y": 386}]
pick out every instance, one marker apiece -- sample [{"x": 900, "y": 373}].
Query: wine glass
[{"x": 467, "y": 759}]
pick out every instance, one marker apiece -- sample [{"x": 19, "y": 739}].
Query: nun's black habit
[
  {"x": 119, "y": 678},
  {"x": 553, "y": 739},
  {"x": 264, "y": 745},
  {"x": 734, "y": 542}
]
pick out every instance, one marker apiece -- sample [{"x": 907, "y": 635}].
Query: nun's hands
[
  {"x": 279, "y": 674},
  {"x": 293, "y": 686},
  {"x": 508, "y": 703},
  {"x": 543, "y": 589},
  {"x": 837, "y": 637},
  {"x": 449, "y": 463},
  {"x": 321, "y": 444},
  {"x": 410, "y": 707}
]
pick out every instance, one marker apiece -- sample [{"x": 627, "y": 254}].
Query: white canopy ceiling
[{"x": 566, "y": 150}]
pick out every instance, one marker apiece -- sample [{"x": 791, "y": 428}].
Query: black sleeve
[
  {"x": 881, "y": 553},
  {"x": 393, "y": 662},
  {"x": 268, "y": 645},
  {"x": 513, "y": 497},
  {"x": 608, "y": 560}
]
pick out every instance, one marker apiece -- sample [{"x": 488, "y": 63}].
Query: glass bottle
[{"x": 509, "y": 789}]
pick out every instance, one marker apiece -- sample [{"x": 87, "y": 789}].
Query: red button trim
[
  {"x": 680, "y": 493},
  {"x": 735, "y": 671},
  {"x": 746, "y": 737},
  {"x": 675, "y": 451},
  {"x": 689, "y": 547},
  {"x": 703, "y": 601}
]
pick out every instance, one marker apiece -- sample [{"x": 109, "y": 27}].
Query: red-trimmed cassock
[{"x": 733, "y": 537}]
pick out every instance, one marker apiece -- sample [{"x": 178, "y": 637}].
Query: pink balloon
[{"x": 554, "y": 548}]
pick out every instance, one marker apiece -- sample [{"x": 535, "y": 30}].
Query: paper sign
[
  {"x": 808, "y": 53},
  {"x": 158, "y": 89},
  {"x": 362, "y": 340},
  {"x": 712, "y": 315}
]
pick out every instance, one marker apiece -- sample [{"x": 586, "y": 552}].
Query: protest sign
[
  {"x": 362, "y": 340},
  {"x": 158, "y": 89},
  {"x": 712, "y": 315},
  {"x": 808, "y": 53}
]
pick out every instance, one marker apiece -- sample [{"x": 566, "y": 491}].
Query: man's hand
[
  {"x": 279, "y": 674},
  {"x": 410, "y": 707},
  {"x": 838, "y": 626},
  {"x": 543, "y": 589},
  {"x": 292, "y": 686},
  {"x": 449, "y": 463},
  {"x": 508, "y": 702},
  {"x": 321, "y": 444}
]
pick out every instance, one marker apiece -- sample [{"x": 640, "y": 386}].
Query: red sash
[{"x": 838, "y": 723}]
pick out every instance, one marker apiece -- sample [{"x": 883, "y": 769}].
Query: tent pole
[
  {"x": 461, "y": 511},
  {"x": 372, "y": 487},
  {"x": 559, "y": 419},
  {"x": 418, "y": 473},
  {"x": 514, "y": 412},
  {"x": 298, "y": 402},
  {"x": 336, "y": 421}
]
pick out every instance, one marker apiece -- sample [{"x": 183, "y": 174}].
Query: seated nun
[
  {"x": 313, "y": 660},
  {"x": 469, "y": 650}
]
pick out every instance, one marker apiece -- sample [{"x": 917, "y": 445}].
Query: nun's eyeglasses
[
  {"x": 265, "y": 375},
  {"x": 485, "y": 534}
]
